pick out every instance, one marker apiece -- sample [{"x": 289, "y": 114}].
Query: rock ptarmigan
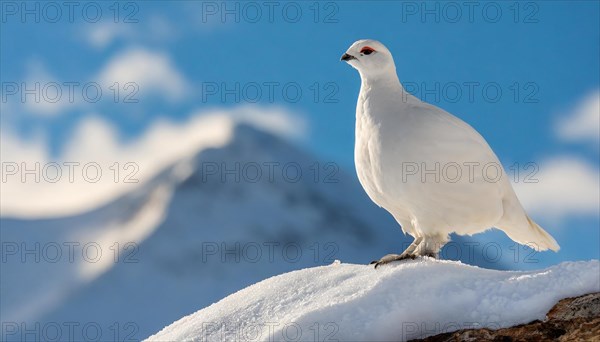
[{"x": 432, "y": 171}]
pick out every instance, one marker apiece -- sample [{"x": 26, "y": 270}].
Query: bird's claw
[{"x": 391, "y": 258}]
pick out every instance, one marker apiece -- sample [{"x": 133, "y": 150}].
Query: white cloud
[
  {"x": 275, "y": 120},
  {"x": 583, "y": 123},
  {"x": 96, "y": 141},
  {"x": 154, "y": 28},
  {"x": 567, "y": 186},
  {"x": 95, "y": 146},
  {"x": 101, "y": 34},
  {"x": 42, "y": 93},
  {"x": 154, "y": 73}
]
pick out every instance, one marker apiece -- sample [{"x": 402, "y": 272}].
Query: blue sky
[{"x": 547, "y": 53}]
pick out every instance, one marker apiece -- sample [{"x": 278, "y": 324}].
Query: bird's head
[{"x": 370, "y": 58}]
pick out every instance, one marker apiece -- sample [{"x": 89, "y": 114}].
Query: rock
[{"x": 571, "y": 319}]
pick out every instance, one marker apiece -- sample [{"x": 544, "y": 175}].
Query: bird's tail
[
  {"x": 521, "y": 228},
  {"x": 529, "y": 233},
  {"x": 543, "y": 240}
]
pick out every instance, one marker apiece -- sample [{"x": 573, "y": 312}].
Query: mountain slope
[{"x": 61, "y": 251}]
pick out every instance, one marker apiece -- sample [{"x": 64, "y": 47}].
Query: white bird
[{"x": 433, "y": 172}]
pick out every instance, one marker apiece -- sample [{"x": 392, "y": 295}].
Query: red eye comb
[{"x": 367, "y": 49}]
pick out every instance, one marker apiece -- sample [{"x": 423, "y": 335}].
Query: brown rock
[{"x": 571, "y": 319}]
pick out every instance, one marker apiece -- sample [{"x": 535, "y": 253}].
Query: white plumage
[{"x": 433, "y": 172}]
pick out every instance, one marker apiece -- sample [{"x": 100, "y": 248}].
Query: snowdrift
[{"x": 401, "y": 301}]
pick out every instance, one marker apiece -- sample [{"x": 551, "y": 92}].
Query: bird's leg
[
  {"x": 431, "y": 255},
  {"x": 407, "y": 254},
  {"x": 430, "y": 246},
  {"x": 413, "y": 246}
]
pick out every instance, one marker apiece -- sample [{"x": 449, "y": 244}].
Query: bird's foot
[
  {"x": 431, "y": 255},
  {"x": 391, "y": 258}
]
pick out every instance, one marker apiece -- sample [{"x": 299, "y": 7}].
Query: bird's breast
[{"x": 367, "y": 155}]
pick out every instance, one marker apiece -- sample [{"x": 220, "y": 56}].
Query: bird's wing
[{"x": 438, "y": 144}]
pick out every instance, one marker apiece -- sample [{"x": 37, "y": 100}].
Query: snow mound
[{"x": 400, "y": 301}]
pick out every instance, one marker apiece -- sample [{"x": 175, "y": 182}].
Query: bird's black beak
[{"x": 346, "y": 57}]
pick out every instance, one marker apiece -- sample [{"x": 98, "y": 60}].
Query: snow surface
[{"x": 401, "y": 301}]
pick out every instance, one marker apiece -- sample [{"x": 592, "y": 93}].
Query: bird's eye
[{"x": 367, "y": 50}]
